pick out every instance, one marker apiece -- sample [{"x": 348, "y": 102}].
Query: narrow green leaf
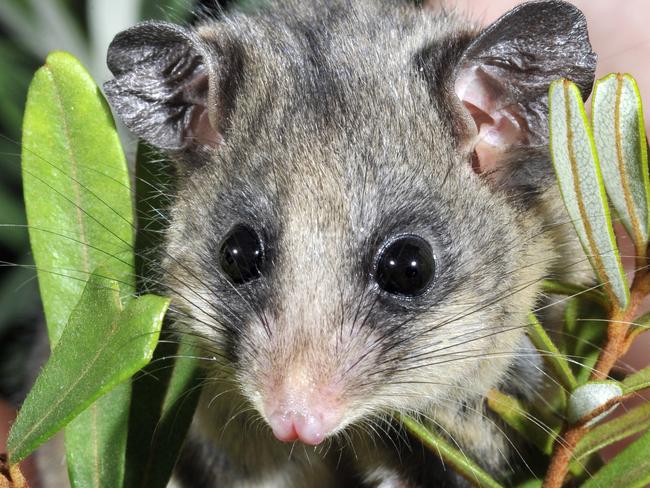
[
  {"x": 593, "y": 334},
  {"x": 551, "y": 354},
  {"x": 631, "y": 467},
  {"x": 88, "y": 361},
  {"x": 449, "y": 454},
  {"x": 165, "y": 394},
  {"x": 153, "y": 184},
  {"x": 523, "y": 422},
  {"x": 581, "y": 184},
  {"x": 585, "y": 329},
  {"x": 569, "y": 289},
  {"x": 76, "y": 187},
  {"x": 95, "y": 441},
  {"x": 619, "y": 134},
  {"x": 534, "y": 483},
  {"x": 161, "y": 415},
  {"x": 637, "y": 381},
  {"x": 630, "y": 423},
  {"x": 571, "y": 316}
]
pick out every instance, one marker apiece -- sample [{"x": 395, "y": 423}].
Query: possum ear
[
  {"x": 503, "y": 77},
  {"x": 164, "y": 85}
]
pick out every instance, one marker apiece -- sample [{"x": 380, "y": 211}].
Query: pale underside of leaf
[
  {"x": 620, "y": 139},
  {"x": 591, "y": 396},
  {"x": 581, "y": 184}
]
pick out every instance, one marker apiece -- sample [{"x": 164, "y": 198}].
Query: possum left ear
[
  {"x": 166, "y": 85},
  {"x": 503, "y": 77}
]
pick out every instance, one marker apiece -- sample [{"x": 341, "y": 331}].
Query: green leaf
[
  {"x": 448, "y": 453},
  {"x": 166, "y": 393},
  {"x": 516, "y": 416},
  {"x": 590, "y": 293},
  {"x": 154, "y": 185},
  {"x": 581, "y": 184},
  {"x": 551, "y": 354},
  {"x": 630, "y": 423},
  {"x": 76, "y": 188},
  {"x": 95, "y": 441},
  {"x": 584, "y": 333},
  {"x": 87, "y": 362},
  {"x": 161, "y": 413},
  {"x": 592, "y": 336},
  {"x": 534, "y": 483},
  {"x": 637, "y": 381},
  {"x": 631, "y": 467},
  {"x": 619, "y": 134}
]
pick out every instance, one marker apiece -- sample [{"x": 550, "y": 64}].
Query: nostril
[
  {"x": 308, "y": 413},
  {"x": 292, "y": 426},
  {"x": 309, "y": 429},
  {"x": 283, "y": 427}
]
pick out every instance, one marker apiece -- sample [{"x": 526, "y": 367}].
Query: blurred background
[{"x": 29, "y": 29}]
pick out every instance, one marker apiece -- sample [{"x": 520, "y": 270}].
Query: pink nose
[{"x": 309, "y": 428}]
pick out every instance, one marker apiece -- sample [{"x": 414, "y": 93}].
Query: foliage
[
  {"x": 78, "y": 198},
  {"x": 29, "y": 30}
]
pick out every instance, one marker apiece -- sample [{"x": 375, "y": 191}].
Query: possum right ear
[
  {"x": 503, "y": 77},
  {"x": 164, "y": 86}
]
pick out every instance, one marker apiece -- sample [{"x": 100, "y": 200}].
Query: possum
[{"x": 365, "y": 210}]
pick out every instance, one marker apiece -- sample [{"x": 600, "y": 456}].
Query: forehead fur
[{"x": 323, "y": 68}]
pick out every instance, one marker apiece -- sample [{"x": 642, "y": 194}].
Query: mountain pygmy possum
[{"x": 365, "y": 209}]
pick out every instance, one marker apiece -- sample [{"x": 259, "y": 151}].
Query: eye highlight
[
  {"x": 241, "y": 255},
  {"x": 405, "y": 266}
]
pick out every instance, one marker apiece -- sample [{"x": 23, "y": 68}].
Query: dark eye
[
  {"x": 405, "y": 266},
  {"x": 241, "y": 255}
]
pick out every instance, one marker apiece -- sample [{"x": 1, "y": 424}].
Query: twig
[{"x": 616, "y": 346}]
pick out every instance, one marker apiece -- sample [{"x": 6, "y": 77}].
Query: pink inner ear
[
  {"x": 201, "y": 130},
  {"x": 498, "y": 126}
]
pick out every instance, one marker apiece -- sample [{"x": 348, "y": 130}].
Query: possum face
[{"x": 355, "y": 230}]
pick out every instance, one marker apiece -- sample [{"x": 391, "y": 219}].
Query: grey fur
[{"x": 338, "y": 127}]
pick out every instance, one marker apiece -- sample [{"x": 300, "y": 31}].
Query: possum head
[{"x": 355, "y": 228}]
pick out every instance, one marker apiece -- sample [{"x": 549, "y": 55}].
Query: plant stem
[
  {"x": 618, "y": 328},
  {"x": 562, "y": 455},
  {"x": 616, "y": 345}
]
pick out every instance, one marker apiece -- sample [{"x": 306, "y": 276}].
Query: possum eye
[
  {"x": 241, "y": 254},
  {"x": 405, "y": 266}
]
